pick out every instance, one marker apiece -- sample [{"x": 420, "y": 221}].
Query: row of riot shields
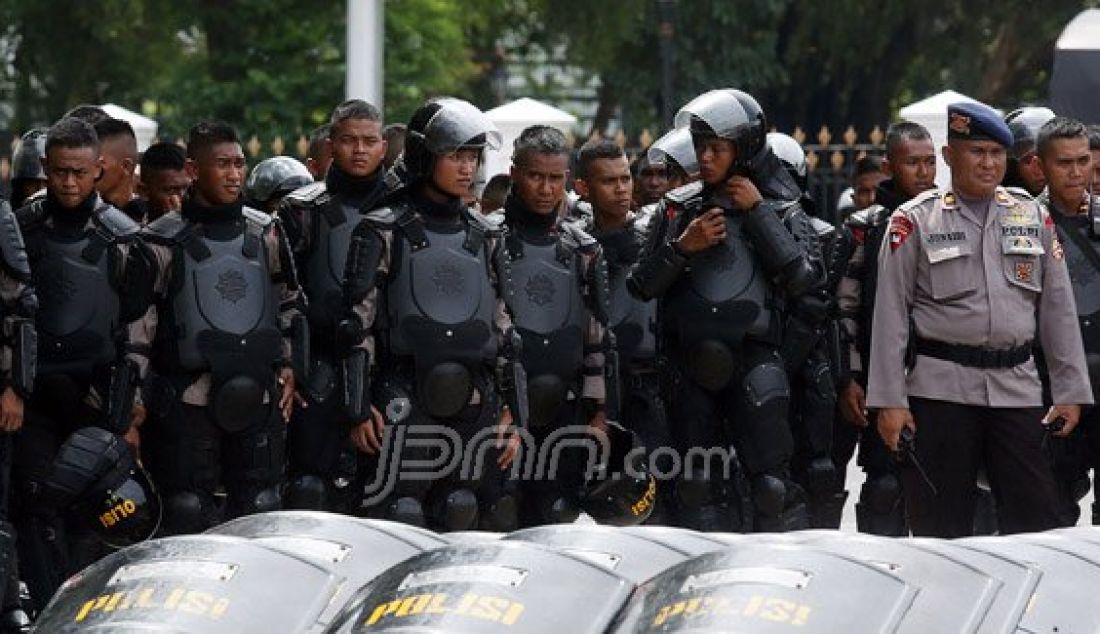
[{"x": 297, "y": 572}]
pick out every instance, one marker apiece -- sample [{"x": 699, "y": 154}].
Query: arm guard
[
  {"x": 13, "y": 253},
  {"x": 357, "y": 387},
  {"x": 659, "y": 264},
  {"x": 120, "y": 396},
  {"x": 512, "y": 380},
  {"x": 300, "y": 356},
  {"x": 24, "y": 355},
  {"x": 364, "y": 255},
  {"x": 783, "y": 257},
  {"x": 613, "y": 402}
]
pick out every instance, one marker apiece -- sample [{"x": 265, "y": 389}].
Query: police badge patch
[
  {"x": 1024, "y": 272},
  {"x": 900, "y": 228}
]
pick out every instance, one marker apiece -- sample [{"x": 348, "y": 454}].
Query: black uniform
[
  {"x": 320, "y": 220},
  {"x": 86, "y": 273},
  {"x": 227, "y": 295},
  {"x": 560, "y": 311},
  {"x": 721, "y": 324},
  {"x": 634, "y": 324}
]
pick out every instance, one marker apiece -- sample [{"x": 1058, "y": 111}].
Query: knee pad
[
  {"x": 457, "y": 511},
  {"x": 560, "y": 511},
  {"x": 766, "y": 385},
  {"x": 821, "y": 477},
  {"x": 500, "y": 516},
  {"x": 306, "y": 492},
  {"x": 266, "y": 501},
  {"x": 406, "y": 510},
  {"x": 185, "y": 513},
  {"x": 694, "y": 492}
]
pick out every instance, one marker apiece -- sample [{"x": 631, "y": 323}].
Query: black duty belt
[{"x": 974, "y": 356}]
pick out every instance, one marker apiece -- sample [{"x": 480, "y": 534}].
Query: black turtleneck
[
  {"x": 74, "y": 220},
  {"x": 437, "y": 214},
  {"x": 355, "y": 190},
  {"x": 888, "y": 195},
  {"x": 220, "y": 222},
  {"x": 526, "y": 222}
]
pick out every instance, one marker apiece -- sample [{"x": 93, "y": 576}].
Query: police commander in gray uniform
[{"x": 971, "y": 278}]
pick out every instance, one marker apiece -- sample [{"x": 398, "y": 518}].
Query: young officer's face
[
  {"x": 454, "y": 172},
  {"x": 71, "y": 173}
]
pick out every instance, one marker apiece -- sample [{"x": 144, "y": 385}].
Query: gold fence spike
[
  {"x": 812, "y": 160},
  {"x": 824, "y": 136},
  {"x": 862, "y": 155},
  {"x": 799, "y": 134},
  {"x": 180, "y": 142},
  {"x": 254, "y": 146},
  {"x": 836, "y": 159},
  {"x": 620, "y": 138},
  {"x": 645, "y": 139},
  {"x": 5, "y": 169},
  {"x": 850, "y": 136},
  {"x": 277, "y": 146},
  {"x": 15, "y": 141},
  {"x": 877, "y": 136},
  {"x": 303, "y": 146}
]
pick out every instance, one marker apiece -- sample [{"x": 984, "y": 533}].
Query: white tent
[
  {"x": 1075, "y": 84},
  {"x": 512, "y": 118},
  {"x": 145, "y": 129},
  {"x": 932, "y": 114}
]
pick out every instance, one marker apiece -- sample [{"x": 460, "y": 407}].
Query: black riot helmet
[
  {"x": 27, "y": 160},
  {"x": 441, "y": 126},
  {"x": 95, "y": 478},
  {"x": 728, "y": 114},
  {"x": 791, "y": 155},
  {"x": 275, "y": 177},
  {"x": 623, "y": 492},
  {"x": 675, "y": 148},
  {"x": 1024, "y": 123}
]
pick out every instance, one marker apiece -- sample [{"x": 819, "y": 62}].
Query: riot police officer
[
  {"x": 319, "y": 221},
  {"x": 27, "y": 175},
  {"x": 227, "y": 299},
  {"x": 560, "y": 309},
  {"x": 435, "y": 350},
  {"x": 723, "y": 255},
  {"x": 1062, "y": 147},
  {"x": 911, "y": 165},
  {"x": 1024, "y": 170},
  {"x": 677, "y": 152},
  {"x": 91, "y": 282},
  {"x": 272, "y": 179},
  {"x": 604, "y": 181}
]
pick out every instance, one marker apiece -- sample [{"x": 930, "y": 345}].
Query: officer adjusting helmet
[
  {"x": 675, "y": 148},
  {"x": 96, "y": 479},
  {"x": 442, "y": 126},
  {"x": 791, "y": 155},
  {"x": 728, "y": 114},
  {"x": 623, "y": 491},
  {"x": 274, "y": 178}
]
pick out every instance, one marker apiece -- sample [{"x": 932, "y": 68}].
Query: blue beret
[{"x": 972, "y": 121}]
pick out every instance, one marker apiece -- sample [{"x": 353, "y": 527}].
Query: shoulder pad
[
  {"x": 381, "y": 216},
  {"x": 681, "y": 195},
  {"x": 919, "y": 199},
  {"x": 116, "y": 222},
  {"x": 1017, "y": 192},
  {"x": 31, "y": 213},
  {"x": 308, "y": 194},
  {"x": 257, "y": 217},
  {"x": 867, "y": 217},
  {"x": 493, "y": 223},
  {"x": 821, "y": 227},
  {"x": 12, "y": 250},
  {"x": 166, "y": 229},
  {"x": 573, "y": 232}
]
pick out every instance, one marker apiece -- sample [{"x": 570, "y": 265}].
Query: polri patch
[
  {"x": 1025, "y": 271},
  {"x": 900, "y": 228}
]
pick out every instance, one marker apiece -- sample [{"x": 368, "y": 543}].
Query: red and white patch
[
  {"x": 900, "y": 228},
  {"x": 1025, "y": 271},
  {"x": 859, "y": 234},
  {"x": 1056, "y": 249}
]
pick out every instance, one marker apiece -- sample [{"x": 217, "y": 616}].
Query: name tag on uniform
[
  {"x": 945, "y": 253},
  {"x": 943, "y": 238},
  {"x": 1021, "y": 231},
  {"x": 1022, "y": 245}
]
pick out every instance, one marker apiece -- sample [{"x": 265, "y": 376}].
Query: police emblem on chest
[
  {"x": 232, "y": 286},
  {"x": 1025, "y": 272},
  {"x": 540, "y": 290},
  {"x": 55, "y": 287},
  {"x": 448, "y": 280}
]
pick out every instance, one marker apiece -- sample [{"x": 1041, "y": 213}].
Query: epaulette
[
  {"x": 115, "y": 222},
  {"x": 821, "y": 228},
  {"x": 31, "y": 214},
  {"x": 923, "y": 197},
  {"x": 167, "y": 229},
  {"x": 311, "y": 194},
  {"x": 257, "y": 217},
  {"x": 385, "y": 216},
  {"x": 682, "y": 195},
  {"x": 866, "y": 218}
]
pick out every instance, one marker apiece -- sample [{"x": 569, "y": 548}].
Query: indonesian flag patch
[{"x": 900, "y": 228}]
